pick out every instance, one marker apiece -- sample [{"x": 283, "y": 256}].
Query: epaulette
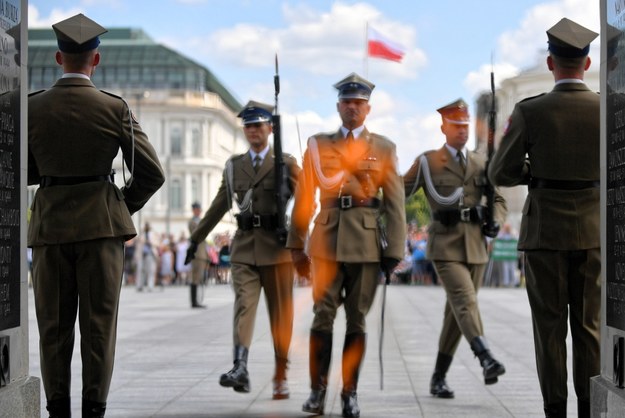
[
  {"x": 36, "y": 92},
  {"x": 532, "y": 97},
  {"x": 117, "y": 96},
  {"x": 236, "y": 157}
]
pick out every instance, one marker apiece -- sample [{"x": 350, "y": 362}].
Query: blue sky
[{"x": 449, "y": 44}]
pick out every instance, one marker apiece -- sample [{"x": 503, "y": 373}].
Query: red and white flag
[{"x": 379, "y": 46}]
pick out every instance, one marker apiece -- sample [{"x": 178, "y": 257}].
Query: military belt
[
  {"x": 250, "y": 221},
  {"x": 48, "y": 181},
  {"x": 347, "y": 202},
  {"x": 450, "y": 217},
  {"x": 537, "y": 183}
]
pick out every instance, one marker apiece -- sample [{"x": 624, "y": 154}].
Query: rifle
[
  {"x": 283, "y": 192},
  {"x": 490, "y": 227}
]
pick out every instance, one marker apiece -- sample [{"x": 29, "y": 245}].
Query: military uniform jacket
[
  {"x": 349, "y": 235},
  {"x": 463, "y": 242},
  {"x": 554, "y": 136},
  {"x": 75, "y": 129},
  {"x": 256, "y": 246}
]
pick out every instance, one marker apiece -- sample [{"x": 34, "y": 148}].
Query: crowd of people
[{"x": 157, "y": 260}]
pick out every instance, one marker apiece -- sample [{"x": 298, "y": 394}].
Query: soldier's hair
[
  {"x": 78, "y": 60},
  {"x": 569, "y": 63}
]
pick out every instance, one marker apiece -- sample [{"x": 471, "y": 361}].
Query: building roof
[{"x": 130, "y": 60}]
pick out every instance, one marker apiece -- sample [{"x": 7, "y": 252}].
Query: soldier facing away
[
  {"x": 552, "y": 145},
  {"x": 80, "y": 219}
]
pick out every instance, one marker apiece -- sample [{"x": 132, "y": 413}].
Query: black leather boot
[
  {"x": 555, "y": 410},
  {"x": 492, "y": 368},
  {"x": 320, "y": 354},
  {"x": 353, "y": 353},
  {"x": 237, "y": 378},
  {"x": 59, "y": 408},
  {"x": 194, "y": 302},
  {"x": 280, "y": 384},
  {"x": 438, "y": 384},
  {"x": 92, "y": 409}
]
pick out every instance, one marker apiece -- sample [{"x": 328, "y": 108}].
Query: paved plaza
[{"x": 169, "y": 358}]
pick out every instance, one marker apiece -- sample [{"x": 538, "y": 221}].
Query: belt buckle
[
  {"x": 256, "y": 221},
  {"x": 345, "y": 202},
  {"x": 465, "y": 214}
]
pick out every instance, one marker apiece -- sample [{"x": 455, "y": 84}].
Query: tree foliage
[{"x": 417, "y": 209}]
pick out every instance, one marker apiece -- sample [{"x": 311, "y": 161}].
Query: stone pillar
[
  {"x": 607, "y": 393},
  {"x": 19, "y": 392}
]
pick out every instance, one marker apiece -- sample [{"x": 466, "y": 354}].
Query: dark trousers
[
  {"x": 565, "y": 285},
  {"x": 83, "y": 279}
]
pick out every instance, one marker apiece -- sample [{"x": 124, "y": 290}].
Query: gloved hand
[
  {"x": 388, "y": 264},
  {"x": 490, "y": 230},
  {"x": 301, "y": 262},
  {"x": 191, "y": 252}
]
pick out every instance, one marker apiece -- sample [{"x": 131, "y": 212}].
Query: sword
[{"x": 387, "y": 280}]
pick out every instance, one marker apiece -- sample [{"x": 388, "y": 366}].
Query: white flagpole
[{"x": 366, "y": 59}]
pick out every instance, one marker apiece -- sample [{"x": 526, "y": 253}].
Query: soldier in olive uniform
[
  {"x": 257, "y": 257},
  {"x": 356, "y": 176},
  {"x": 552, "y": 145},
  {"x": 199, "y": 264},
  {"x": 454, "y": 181},
  {"x": 80, "y": 219}
]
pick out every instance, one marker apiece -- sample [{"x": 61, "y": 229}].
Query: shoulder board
[
  {"x": 236, "y": 157},
  {"x": 322, "y": 135},
  {"x": 36, "y": 92},
  {"x": 112, "y": 94},
  {"x": 532, "y": 97}
]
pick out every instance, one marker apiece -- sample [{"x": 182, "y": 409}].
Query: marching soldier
[
  {"x": 356, "y": 175},
  {"x": 258, "y": 259},
  {"x": 80, "y": 219},
  {"x": 200, "y": 261},
  {"x": 454, "y": 181},
  {"x": 552, "y": 144}
]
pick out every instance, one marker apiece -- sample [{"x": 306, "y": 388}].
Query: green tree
[{"x": 417, "y": 209}]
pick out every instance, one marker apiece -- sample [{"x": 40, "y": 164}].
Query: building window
[
  {"x": 175, "y": 197},
  {"x": 196, "y": 144},
  {"x": 195, "y": 189},
  {"x": 175, "y": 140}
]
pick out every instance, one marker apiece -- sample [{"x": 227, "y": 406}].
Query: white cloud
[
  {"x": 35, "y": 20},
  {"x": 317, "y": 42},
  {"x": 526, "y": 46}
]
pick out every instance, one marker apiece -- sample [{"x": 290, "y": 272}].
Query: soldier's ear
[
  {"x": 59, "y": 58},
  {"x": 550, "y": 63},
  {"x": 96, "y": 59},
  {"x": 587, "y": 65}
]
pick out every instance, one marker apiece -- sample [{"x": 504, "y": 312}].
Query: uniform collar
[
  {"x": 261, "y": 154},
  {"x": 454, "y": 152},
  {"x": 356, "y": 132},
  {"x": 76, "y": 75}
]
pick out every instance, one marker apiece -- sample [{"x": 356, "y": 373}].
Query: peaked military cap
[
  {"x": 78, "y": 34},
  {"x": 354, "y": 87},
  {"x": 456, "y": 112},
  {"x": 569, "y": 39},
  {"x": 254, "y": 112}
]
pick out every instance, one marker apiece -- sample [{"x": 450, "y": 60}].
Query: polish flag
[{"x": 381, "y": 47}]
